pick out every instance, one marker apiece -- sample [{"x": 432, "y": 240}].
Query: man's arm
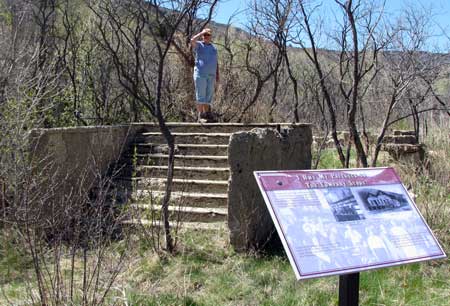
[{"x": 195, "y": 38}]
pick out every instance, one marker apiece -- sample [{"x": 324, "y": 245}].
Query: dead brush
[{"x": 431, "y": 184}]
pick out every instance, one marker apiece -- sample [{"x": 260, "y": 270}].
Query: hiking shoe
[
  {"x": 211, "y": 117},
  {"x": 202, "y": 118}
]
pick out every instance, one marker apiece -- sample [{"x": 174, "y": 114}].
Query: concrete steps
[
  {"x": 187, "y": 138},
  {"x": 181, "y": 160},
  {"x": 178, "y": 198},
  {"x": 195, "y": 226},
  {"x": 182, "y": 185},
  {"x": 184, "y": 149},
  {"x": 201, "y": 171},
  {"x": 186, "y": 213}
]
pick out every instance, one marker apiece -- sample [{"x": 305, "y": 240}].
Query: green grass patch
[
  {"x": 208, "y": 272},
  {"x": 13, "y": 259},
  {"x": 328, "y": 160}
]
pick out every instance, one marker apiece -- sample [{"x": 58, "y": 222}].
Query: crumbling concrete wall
[
  {"x": 251, "y": 227},
  {"x": 403, "y": 146},
  {"x": 76, "y": 157}
]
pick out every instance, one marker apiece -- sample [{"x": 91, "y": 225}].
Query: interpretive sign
[{"x": 345, "y": 221}]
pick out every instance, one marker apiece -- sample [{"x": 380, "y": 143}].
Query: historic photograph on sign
[
  {"x": 343, "y": 204},
  {"x": 379, "y": 201}
]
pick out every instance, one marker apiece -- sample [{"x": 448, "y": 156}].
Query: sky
[{"x": 440, "y": 17}]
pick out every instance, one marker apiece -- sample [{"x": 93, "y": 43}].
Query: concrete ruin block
[
  {"x": 400, "y": 139},
  {"x": 408, "y": 154},
  {"x": 250, "y": 224},
  {"x": 404, "y": 132},
  {"x": 344, "y": 137}
]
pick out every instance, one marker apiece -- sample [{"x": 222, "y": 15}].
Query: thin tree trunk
[
  {"x": 168, "y": 189},
  {"x": 355, "y": 86},
  {"x": 274, "y": 96},
  {"x": 295, "y": 85},
  {"x": 384, "y": 128},
  {"x": 315, "y": 60},
  {"x": 170, "y": 165}
]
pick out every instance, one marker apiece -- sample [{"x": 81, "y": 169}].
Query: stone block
[
  {"x": 404, "y": 132},
  {"x": 251, "y": 227},
  {"x": 409, "y": 154},
  {"x": 400, "y": 139}
]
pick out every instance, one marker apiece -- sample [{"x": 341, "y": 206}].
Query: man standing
[{"x": 206, "y": 73}]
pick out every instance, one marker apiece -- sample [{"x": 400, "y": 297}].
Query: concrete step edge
[
  {"x": 193, "y": 195},
  {"x": 184, "y": 181},
  {"x": 183, "y": 225},
  {"x": 183, "y": 145},
  {"x": 188, "y": 134},
  {"x": 185, "y": 209},
  {"x": 209, "y": 157},
  {"x": 205, "y": 169},
  {"x": 227, "y": 124}
]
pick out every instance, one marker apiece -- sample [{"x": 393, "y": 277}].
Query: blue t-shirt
[{"x": 205, "y": 59}]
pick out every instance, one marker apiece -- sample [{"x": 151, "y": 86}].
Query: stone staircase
[{"x": 200, "y": 184}]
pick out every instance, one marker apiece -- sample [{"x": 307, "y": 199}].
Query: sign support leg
[{"x": 349, "y": 289}]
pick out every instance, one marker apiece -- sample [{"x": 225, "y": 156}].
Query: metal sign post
[{"x": 349, "y": 289}]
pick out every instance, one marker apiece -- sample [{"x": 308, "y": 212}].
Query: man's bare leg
[
  {"x": 201, "y": 109},
  {"x": 204, "y": 110}
]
